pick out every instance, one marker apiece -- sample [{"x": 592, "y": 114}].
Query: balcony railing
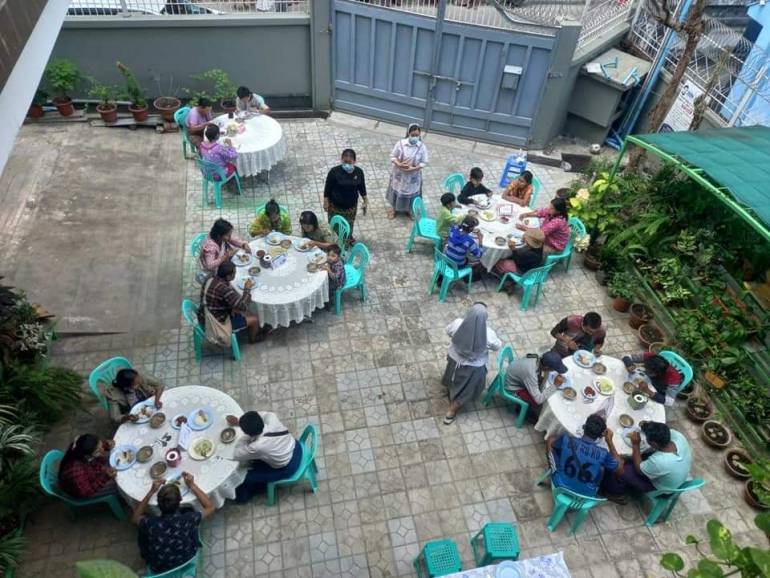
[{"x": 100, "y": 8}]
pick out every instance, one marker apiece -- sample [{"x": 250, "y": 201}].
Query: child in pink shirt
[{"x": 553, "y": 224}]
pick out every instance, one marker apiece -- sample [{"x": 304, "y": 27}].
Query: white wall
[{"x": 21, "y": 84}]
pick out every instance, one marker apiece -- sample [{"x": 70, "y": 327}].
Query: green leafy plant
[
  {"x": 62, "y": 75},
  {"x": 726, "y": 558},
  {"x": 47, "y": 392},
  {"x": 106, "y": 94},
  {"x": 11, "y": 548},
  {"x": 135, "y": 93},
  {"x": 621, "y": 284},
  {"x": 760, "y": 476},
  {"x": 40, "y": 98},
  {"x": 223, "y": 89}
]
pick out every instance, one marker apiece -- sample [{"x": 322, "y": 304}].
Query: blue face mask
[
  {"x": 414, "y": 140},
  {"x": 347, "y": 167}
]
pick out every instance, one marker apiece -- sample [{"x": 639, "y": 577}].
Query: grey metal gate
[{"x": 461, "y": 79}]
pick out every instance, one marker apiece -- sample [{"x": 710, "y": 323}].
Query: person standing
[
  {"x": 466, "y": 369},
  {"x": 409, "y": 157},
  {"x": 344, "y": 184}
]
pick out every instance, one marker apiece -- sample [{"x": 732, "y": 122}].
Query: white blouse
[
  {"x": 493, "y": 344},
  {"x": 405, "y": 151}
]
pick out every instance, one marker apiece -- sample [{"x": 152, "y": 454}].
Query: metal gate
[{"x": 456, "y": 78}]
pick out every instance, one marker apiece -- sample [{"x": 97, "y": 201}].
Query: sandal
[{"x": 449, "y": 419}]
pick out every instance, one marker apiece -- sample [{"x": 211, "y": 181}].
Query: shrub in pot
[
  {"x": 107, "y": 107},
  {"x": 640, "y": 314},
  {"x": 167, "y": 106},
  {"x": 620, "y": 285},
  {"x": 62, "y": 75},
  {"x": 650, "y": 333},
  {"x": 134, "y": 93},
  {"x": 757, "y": 490},
  {"x": 36, "y": 108},
  {"x": 224, "y": 88},
  {"x": 592, "y": 258}
]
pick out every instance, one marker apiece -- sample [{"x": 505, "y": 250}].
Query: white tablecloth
[
  {"x": 549, "y": 566},
  {"x": 288, "y": 293},
  {"x": 493, "y": 229},
  {"x": 259, "y": 147},
  {"x": 217, "y": 477},
  {"x": 559, "y": 414}
]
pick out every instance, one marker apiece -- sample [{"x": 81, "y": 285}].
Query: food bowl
[
  {"x": 260, "y": 254},
  {"x": 500, "y": 241},
  {"x": 286, "y": 243},
  {"x": 625, "y": 420},
  {"x": 254, "y": 270},
  {"x": 569, "y": 393},
  {"x": 589, "y": 393},
  {"x": 599, "y": 368},
  {"x": 144, "y": 454},
  {"x": 178, "y": 420},
  {"x": 227, "y": 436},
  {"x": 157, "y": 419},
  {"x": 637, "y": 401},
  {"x": 629, "y": 387},
  {"x": 158, "y": 469},
  {"x": 173, "y": 457}
]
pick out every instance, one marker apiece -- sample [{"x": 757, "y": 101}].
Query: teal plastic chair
[
  {"x": 210, "y": 171},
  {"x": 565, "y": 500},
  {"x": 681, "y": 366},
  {"x": 504, "y": 358},
  {"x": 190, "y": 313},
  {"x": 454, "y": 183},
  {"x": 180, "y": 117},
  {"x": 341, "y": 228},
  {"x": 532, "y": 278},
  {"x": 307, "y": 469},
  {"x": 105, "y": 372},
  {"x": 663, "y": 501},
  {"x": 577, "y": 229},
  {"x": 494, "y": 542},
  {"x": 187, "y": 570},
  {"x": 536, "y": 186},
  {"x": 49, "y": 481},
  {"x": 197, "y": 242},
  {"x": 355, "y": 275},
  {"x": 444, "y": 267},
  {"x": 438, "y": 558},
  {"x": 423, "y": 226}
]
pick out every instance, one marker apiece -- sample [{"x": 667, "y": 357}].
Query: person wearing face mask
[
  {"x": 344, "y": 184},
  {"x": 409, "y": 156}
]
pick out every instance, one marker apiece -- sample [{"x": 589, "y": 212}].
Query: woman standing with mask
[
  {"x": 409, "y": 156},
  {"x": 344, "y": 184}
]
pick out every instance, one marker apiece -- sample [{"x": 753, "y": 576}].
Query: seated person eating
[
  {"x": 248, "y": 100},
  {"x": 84, "y": 471},
  {"x": 460, "y": 244},
  {"x": 519, "y": 190},
  {"x": 579, "y": 332},
  {"x": 318, "y": 233},
  {"x": 220, "y": 246},
  {"x": 527, "y": 379},
  {"x": 126, "y": 390},
  {"x": 665, "y": 378},
  {"x": 553, "y": 223},
  {"x": 473, "y": 187},
  {"x": 523, "y": 258},
  {"x": 271, "y": 218},
  {"x": 222, "y": 154}
]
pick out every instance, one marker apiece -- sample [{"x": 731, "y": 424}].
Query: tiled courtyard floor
[{"x": 392, "y": 476}]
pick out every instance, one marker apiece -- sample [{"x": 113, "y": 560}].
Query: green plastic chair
[
  {"x": 494, "y": 542},
  {"x": 105, "y": 372},
  {"x": 504, "y": 358},
  {"x": 197, "y": 242},
  {"x": 49, "y": 481},
  {"x": 423, "y": 226},
  {"x": 577, "y": 229},
  {"x": 536, "y": 186},
  {"x": 680, "y": 365},
  {"x": 355, "y": 275},
  {"x": 663, "y": 501},
  {"x": 211, "y": 170},
  {"x": 454, "y": 183},
  {"x": 449, "y": 271},
  {"x": 307, "y": 469},
  {"x": 565, "y": 500},
  {"x": 180, "y": 117},
  {"x": 187, "y": 570},
  {"x": 190, "y": 313},
  {"x": 438, "y": 558},
  {"x": 532, "y": 278},
  {"x": 340, "y": 227}
]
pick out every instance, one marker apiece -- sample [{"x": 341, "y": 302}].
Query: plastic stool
[
  {"x": 515, "y": 164},
  {"x": 495, "y": 541},
  {"x": 438, "y": 558}
]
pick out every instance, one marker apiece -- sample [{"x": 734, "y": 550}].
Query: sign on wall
[{"x": 681, "y": 112}]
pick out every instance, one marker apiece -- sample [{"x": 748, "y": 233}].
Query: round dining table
[
  {"x": 491, "y": 224},
  {"x": 217, "y": 476},
  {"x": 559, "y": 414},
  {"x": 259, "y": 141},
  {"x": 286, "y": 291}
]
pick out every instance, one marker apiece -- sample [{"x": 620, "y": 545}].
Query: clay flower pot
[
  {"x": 735, "y": 463},
  {"x": 167, "y": 106},
  {"x": 108, "y": 112},
  {"x": 64, "y": 105},
  {"x": 716, "y": 435},
  {"x": 591, "y": 261},
  {"x": 35, "y": 111},
  {"x": 140, "y": 113},
  {"x": 686, "y": 391},
  {"x": 699, "y": 409},
  {"x": 620, "y": 304},
  {"x": 751, "y": 498},
  {"x": 640, "y": 314},
  {"x": 649, "y": 334}
]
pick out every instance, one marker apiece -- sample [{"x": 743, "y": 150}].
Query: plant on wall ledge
[
  {"x": 223, "y": 88},
  {"x": 62, "y": 75},
  {"x": 135, "y": 93}
]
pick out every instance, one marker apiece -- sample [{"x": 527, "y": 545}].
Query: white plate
[
  {"x": 567, "y": 380},
  {"x": 194, "y": 424},
  {"x": 590, "y": 356},
  {"x": 241, "y": 283},
  {"x": 643, "y": 445},
  {"x": 143, "y": 414},
  {"x": 236, "y": 259},
  {"x": 319, "y": 258},
  {"x": 177, "y": 479},
  {"x": 600, "y": 379},
  {"x": 173, "y": 420},
  {"x": 532, "y": 222},
  {"x": 274, "y": 238},
  {"x": 298, "y": 245},
  {"x": 115, "y": 456},
  {"x": 193, "y": 452}
]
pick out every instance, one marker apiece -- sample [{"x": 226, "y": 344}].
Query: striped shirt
[{"x": 459, "y": 245}]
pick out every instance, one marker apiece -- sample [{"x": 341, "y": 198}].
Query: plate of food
[
  {"x": 625, "y": 420},
  {"x": 599, "y": 368},
  {"x": 144, "y": 410},
  {"x": 274, "y": 238},
  {"x": 241, "y": 283},
  {"x": 629, "y": 387},
  {"x": 604, "y": 385},
  {"x": 242, "y": 259},
  {"x": 302, "y": 245},
  {"x": 176, "y": 479},
  {"x": 144, "y": 454},
  {"x": 158, "y": 469},
  {"x": 505, "y": 220},
  {"x": 319, "y": 258},
  {"x": 488, "y": 215},
  {"x": 569, "y": 393},
  {"x": 201, "y": 449},
  {"x": 227, "y": 436},
  {"x": 584, "y": 359},
  {"x": 643, "y": 445},
  {"x": 589, "y": 394},
  {"x": 312, "y": 268},
  {"x": 565, "y": 381},
  {"x": 254, "y": 271},
  {"x": 199, "y": 419},
  {"x": 285, "y": 243},
  {"x": 501, "y": 241},
  {"x": 123, "y": 457},
  {"x": 157, "y": 419},
  {"x": 178, "y": 420},
  {"x": 532, "y": 222}
]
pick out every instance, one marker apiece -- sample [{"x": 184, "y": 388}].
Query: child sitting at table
[
  {"x": 271, "y": 218},
  {"x": 445, "y": 217},
  {"x": 524, "y": 258},
  {"x": 220, "y": 153},
  {"x": 318, "y": 233},
  {"x": 474, "y": 187},
  {"x": 248, "y": 100},
  {"x": 335, "y": 267},
  {"x": 519, "y": 190}
]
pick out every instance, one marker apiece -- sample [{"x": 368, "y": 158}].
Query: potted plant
[
  {"x": 62, "y": 75},
  {"x": 169, "y": 104},
  {"x": 716, "y": 435},
  {"x": 620, "y": 286},
  {"x": 687, "y": 390},
  {"x": 757, "y": 489},
  {"x": 650, "y": 333},
  {"x": 224, "y": 88},
  {"x": 699, "y": 409},
  {"x": 36, "y": 108},
  {"x": 640, "y": 314},
  {"x": 134, "y": 93},
  {"x": 736, "y": 462},
  {"x": 107, "y": 107}
]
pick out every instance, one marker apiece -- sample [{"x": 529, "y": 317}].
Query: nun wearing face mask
[
  {"x": 466, "y": 369},
  {"x": 409, "y": 156}
]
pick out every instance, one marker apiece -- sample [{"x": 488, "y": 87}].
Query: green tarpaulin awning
[{"x": 732, "y": 163}]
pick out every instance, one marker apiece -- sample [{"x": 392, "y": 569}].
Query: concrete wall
[{"x": 270, "y": 53}]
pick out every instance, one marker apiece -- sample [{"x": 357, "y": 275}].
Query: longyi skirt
[{"x": 465, "y": 382}]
